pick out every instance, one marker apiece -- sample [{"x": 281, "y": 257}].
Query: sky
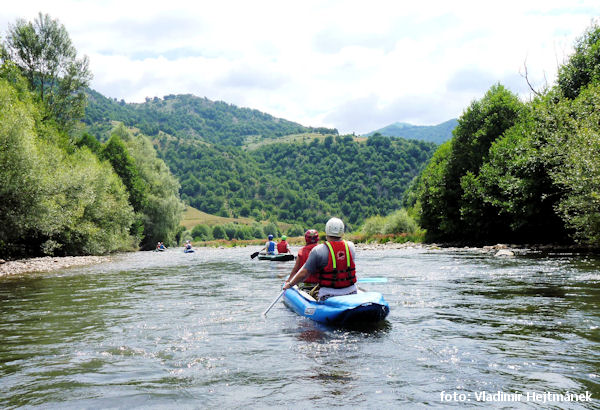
[{"x": 352, "y": 65}]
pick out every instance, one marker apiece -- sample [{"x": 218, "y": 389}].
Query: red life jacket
[
  {"x": 339, "y": 272},
  {"x": 303, "y": 257},
  {"x": 282, "y": 247}
]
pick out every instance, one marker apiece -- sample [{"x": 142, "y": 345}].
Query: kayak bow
[{"x": 362, "y": 308}]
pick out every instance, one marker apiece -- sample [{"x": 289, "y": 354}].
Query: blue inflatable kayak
[
  {"x": 363, "y": 308},
  {"x": 188, "y": 251}
]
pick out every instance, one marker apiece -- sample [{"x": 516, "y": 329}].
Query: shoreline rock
[
  {"x": 48, "y": 264},
  {"x": 393, "y": 245},
  {"x": 498, "y": 250}
]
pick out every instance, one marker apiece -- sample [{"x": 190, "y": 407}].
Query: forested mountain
[
  {"x": 189, "y": 117},
  {"x": 303, "y": 181},
  {"x": 300, "y": 183},
  {"x": 432, "y": 133}
]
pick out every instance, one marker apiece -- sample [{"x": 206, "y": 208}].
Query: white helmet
[{"x": 334, "y": 227}]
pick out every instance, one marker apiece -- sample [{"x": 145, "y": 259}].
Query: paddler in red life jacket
[
  {"x": 311, "y": 237},
  {"x": 283, "y": 247},
  {"x": 332, "y": 261}
]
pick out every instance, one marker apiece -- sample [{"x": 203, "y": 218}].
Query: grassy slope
[
  {"x": 252, "y": 144},
  {"x": 193, "y": 217}
]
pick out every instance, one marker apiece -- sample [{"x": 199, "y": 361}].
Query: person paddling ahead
[
  {"x": 269, "y": 246},
  {"x": 283, "y": 247},
  {"x": 332, "y": 261},
  {"x": 311, "y": 237}
]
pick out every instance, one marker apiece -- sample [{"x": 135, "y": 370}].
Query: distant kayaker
[
  {"x": 160, "y": 246},
  {"x": 269, "y": 246},
  {"x": 311, "y": 237},
  {"x": 283, "y": 246},
  {"x": 188, "y": 245},
  {"x": 332, "y": 261}
]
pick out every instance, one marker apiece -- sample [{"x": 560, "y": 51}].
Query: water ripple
[{"x": 184, "y": 330}]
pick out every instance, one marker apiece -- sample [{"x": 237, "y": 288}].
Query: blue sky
[{"x": 353, "y": 65}]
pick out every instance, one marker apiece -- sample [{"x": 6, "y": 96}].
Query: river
[{"x": 175, "y": 330}]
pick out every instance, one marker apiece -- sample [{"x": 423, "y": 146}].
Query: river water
[{"x": 175, "y": 330}]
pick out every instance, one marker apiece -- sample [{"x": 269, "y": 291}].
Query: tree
[
  {"x": 44, "y": 52},
  {"x": 450, "y": 210},
  {"x": 154, "y": 190},
  {"x": 201, "y": 233},
  {"x": 54, "y": 200},
  {"x": 91, "y": 142},
  {"x": 124, "y": 165},
  {"x": 515, "y": 181},
  {"x": 218, "y": 232},
  {"x": 583, "y": 66},
  {"x": 577, "y": 143}
]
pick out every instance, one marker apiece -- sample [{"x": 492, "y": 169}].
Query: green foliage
[
  {"x": 310, "y": 182},
  {"x": 244, "y": 232},
  {"x": 201, "y": 233},
  {"x": 450, "y": 210},
  {"x": 295, "y": 230},
  {"x": 151, "y": 186},
  {"x": 257, "y": 232},
  {"x": 579, "y": 176},
  {"x": 190, "y": 118},
  {"x": 271, "y": 229},
  {"x": 88, "y": 211},
  {"x": 515, "y": 181},
  {"x": 289, "y": 182},
  {"x": 20, "y": 167},
  {"x": 398, "y": 222},
  {"x": 292, "y": 182},
  {"x": 431, "y": 191},
  {"x": 373, "y": 225},
  {"x": 54, "y": 200},
  {"x": 583, "y": 66},
  {"x": 89, "y": 141},
  {"x": 57, "y": 197},
  {"x": 230, "y": 230},
  {"x": 218, "y": 232},
  {"x": 523, "y": 172},
  {"x": 124, "y": 165},
  {"x": 43, "y": 51}
]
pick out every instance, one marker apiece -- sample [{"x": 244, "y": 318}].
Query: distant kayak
[
  {"x": 360, "y": 309},
  {"x": 188, "y": 251},
  {"x": 280, "y": 257}
]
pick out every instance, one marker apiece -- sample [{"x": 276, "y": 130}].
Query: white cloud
[{"x": 353, "y": 65}]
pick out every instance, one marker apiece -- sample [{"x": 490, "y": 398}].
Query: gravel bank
[{"x": 47, "y": 264}]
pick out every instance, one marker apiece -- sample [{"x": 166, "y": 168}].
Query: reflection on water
[{"x": 185, "y": 330}]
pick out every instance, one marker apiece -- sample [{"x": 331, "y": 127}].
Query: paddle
[
  {"x": 273, "y": 304},
  {"x": 254, "y": 255},
  {"x": 372, "y": 280}
]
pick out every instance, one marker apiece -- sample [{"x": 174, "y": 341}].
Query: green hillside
[
  {"x": 432, "y": 133},
  {"x": 235, "y": 162},
  {"x": 191, "y": 118}
]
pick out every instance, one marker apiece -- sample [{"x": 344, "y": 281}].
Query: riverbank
[
  {"x": 51, "y": 263},
  {"x": 48, "y": 263},
  {"x": 496, "y": 250}
]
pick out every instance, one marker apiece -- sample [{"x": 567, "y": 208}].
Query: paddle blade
[
  {"x": 254, "y": 255},
  {"x": 371, "y": 280}
]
